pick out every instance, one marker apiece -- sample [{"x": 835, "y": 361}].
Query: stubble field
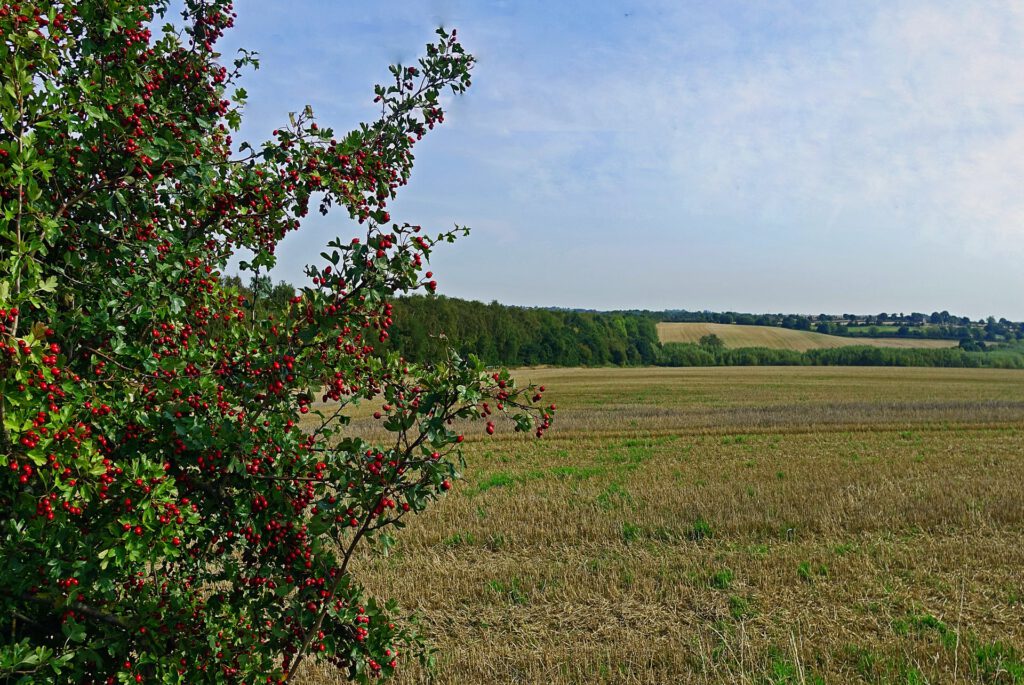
[
  {"x": 731, "y": 525},
  {"x": 774, "y": 337}
]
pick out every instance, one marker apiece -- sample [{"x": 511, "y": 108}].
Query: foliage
[
  {"x": 519, "y": 336},
  {"x": 685, "y": 354},
  {"x": 712, "y": 343},
  {"x": 689, "y": 354},
  {"x": 425, "y": 328},
  {"x": 936, "y": 326},
  {"x": 180, "y": 498}
]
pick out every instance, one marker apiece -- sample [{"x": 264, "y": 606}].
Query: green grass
[{"x": 721, "y": 580}]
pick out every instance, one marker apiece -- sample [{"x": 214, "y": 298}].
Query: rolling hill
[{"x": 734, "y": 335}]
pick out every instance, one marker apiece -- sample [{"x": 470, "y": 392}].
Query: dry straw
[{"x": 732, "y": 525}]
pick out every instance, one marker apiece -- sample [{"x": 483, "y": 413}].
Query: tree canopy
[{"x": 182, "y": 488}]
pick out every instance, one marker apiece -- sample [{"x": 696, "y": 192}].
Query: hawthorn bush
[{"x": 181, "y": 491}]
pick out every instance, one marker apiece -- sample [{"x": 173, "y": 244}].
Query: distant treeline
[
  {"x": 937, "y": 325},
  {"x": 690, "y": 354},
  {"x": 426, "y": 326},
  {"x": 519, "y": 336}
]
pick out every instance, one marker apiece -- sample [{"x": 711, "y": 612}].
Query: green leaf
[
  {"x": 73, "y": 630},
  {"x": 94, "y": 112}
]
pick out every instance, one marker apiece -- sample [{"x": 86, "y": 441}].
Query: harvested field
[
  {"x": 731, "y": 525},
  {"x": 734, "y": 335}
]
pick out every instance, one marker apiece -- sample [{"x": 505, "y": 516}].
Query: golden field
[
  {"x": 731, "y": 525},
  {"x": 735, "y": 335}
]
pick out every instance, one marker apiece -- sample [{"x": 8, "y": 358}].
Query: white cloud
[
  {"x": 718, "y": 154},
  {"x": 913, "y": 115}
]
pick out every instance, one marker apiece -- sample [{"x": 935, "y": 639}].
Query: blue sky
[{"x": 756, "y": 156}]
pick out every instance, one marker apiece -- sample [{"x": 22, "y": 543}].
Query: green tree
[
  {"x": 711, "y": 342},
  {"x": 179, "y": 502}
]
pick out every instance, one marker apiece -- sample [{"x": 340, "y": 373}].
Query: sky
[{"x": 761, "y": 156}]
